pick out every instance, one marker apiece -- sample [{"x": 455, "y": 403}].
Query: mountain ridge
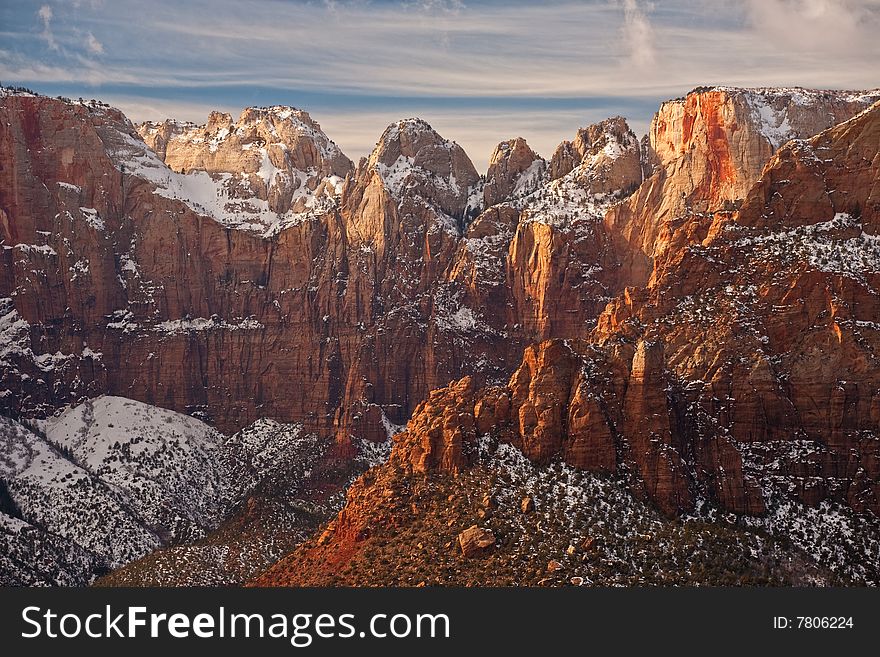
[{"x": 249, "y": 283}]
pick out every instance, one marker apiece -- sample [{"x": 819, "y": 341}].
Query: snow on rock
[
  {"x": 638, "y": 545},
  {"x": 175, "y": 326},
  {"x": 268, "y": 450},
  {"x": 371, "y": 453},
  {"x": 837, "y": 246},
  {"x": 530, "y": 179},
  {"x": 780, "y": 112},
  {"x": 112, "y": 479},
  {"x": 32, "y": 556},
  {"x": 413, "y": 163},
  {"x": 563, "y": 203},
  {"x": 272, "y": 169},
  {"x": 92, "y": 218},
  {"x": 14, "y": 334},
  {"x": 608, "y": 171},
  {"x": 59, "y": 495},
  {"x": 452, "y": 316},
  {"x": 156, "y": 457},
  {"x": 833, "y": 535},
  {"x": 121, "y": 320}
]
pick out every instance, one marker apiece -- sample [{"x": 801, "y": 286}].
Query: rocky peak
[
  {"x": 707, "y": 150},
  {"x": 514, "y": 170},
  {"x": 251, "y": 173},
  {"x": 601, "y": 166},
  {"x": 605, "y": 157},
  {"x": 724, "y": 136},
  {"x": 412, "y": 159},
  {"x": 157, "y": 134},
  {"x": 217, "y": 121},
  {"x": 606, "y": 140},
  {"x": 226, "y": 146}
]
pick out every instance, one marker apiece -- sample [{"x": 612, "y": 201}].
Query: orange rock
[{"x": 475, "y": 540}]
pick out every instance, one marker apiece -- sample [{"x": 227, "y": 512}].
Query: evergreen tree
[{"x": 7, "y": 504}]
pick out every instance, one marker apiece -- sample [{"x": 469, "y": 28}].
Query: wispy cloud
[
  {"x": 435, "y": 6},
  {"x": 817, "y": 26},
  {"x": 447, "y": 48},
  {"x": 638, "y": 34},
  {"x": 94, "y": 46},
  {"x": 45, "y": 15}
]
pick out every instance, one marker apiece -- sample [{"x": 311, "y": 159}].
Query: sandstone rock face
[
  {"x": 743, "y": 373},
  {"x": 401, "y": 217},
  {"x": 594, "y": 408},
  {"x": 442, "y": 427},
  {"x": 651, "y": 443},
  {"x": 561, "y": 262},
  {"x": 515, "y": 170},
  {"x": 278, "y": 155},
  {"x": 768, "y": 318},
  {"x": 126, "y": 276},
  {"x": 157, "y": 134},
  {"x": 116, "y": 277},
  {"x": 707, "y": 150}
]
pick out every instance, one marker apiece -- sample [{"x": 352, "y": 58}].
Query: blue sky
[{"x": 478, "y": 71}]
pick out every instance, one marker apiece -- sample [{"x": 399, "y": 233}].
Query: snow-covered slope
[
  {"x": 266, "y": 451},
  {"x": 112, "y": 479},
  {"x": 780, "y": 112},
  {"x": 163, "y": 463},
  {"x": 272, "y": 168},
  {"x": 55, "y": 493},
  {"x": 32, "y": 556}
]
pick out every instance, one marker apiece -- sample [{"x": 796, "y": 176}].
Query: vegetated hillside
[
  {"x": 112, "y": 479},
  {"x": 550, "y": 526},
  {"x": 301, "y": 489}
]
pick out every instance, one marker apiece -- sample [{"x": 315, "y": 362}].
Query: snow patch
[{"x": 92, "y": 218}]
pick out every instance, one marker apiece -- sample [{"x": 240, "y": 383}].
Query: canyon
[{"x": 685, "y": 323}]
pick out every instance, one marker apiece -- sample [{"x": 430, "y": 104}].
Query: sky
[{"x": 478, "y": 71}]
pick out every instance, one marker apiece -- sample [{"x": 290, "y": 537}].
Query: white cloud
[
  {"x": 555, "y": 49},
  {"x": 638, "y": 35},
  {"x": 45, "y": 16},
  {"x": 435, "y": 6},
  {"x": 93, "y": 45},
  {"x": 824, "y": 26}
]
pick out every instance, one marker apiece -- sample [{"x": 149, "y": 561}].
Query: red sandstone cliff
[
  {"x": 119, "y": 276},
  {"x": 228, "y": 291},
  {"x": 744, "y": 375},
  {"x": 707, "y": 150}
]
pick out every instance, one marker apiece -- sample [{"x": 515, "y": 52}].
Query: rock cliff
[
  {"x": 707, "y": 150},
  {"x": 278, "y": 155},
  {"x": 692, "y": 316},
  {"x": 741, "y": 379},
  {"x": 205, "y": 287}
]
